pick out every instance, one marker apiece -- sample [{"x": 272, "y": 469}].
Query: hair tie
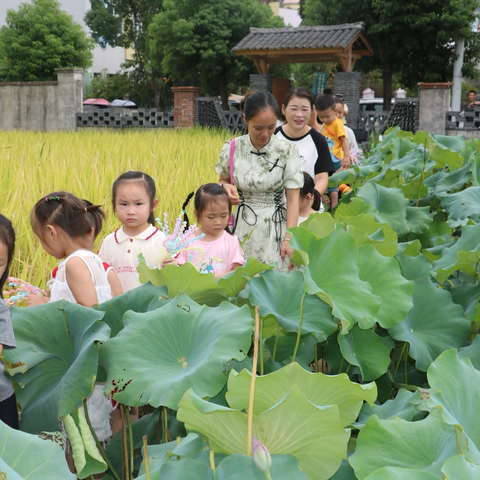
[{"x": 52, "y": 198}]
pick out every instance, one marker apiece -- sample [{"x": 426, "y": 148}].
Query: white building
[{"x": 108, "y": 58}]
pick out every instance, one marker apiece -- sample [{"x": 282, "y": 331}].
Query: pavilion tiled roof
[{"x": 320, "y": 36}]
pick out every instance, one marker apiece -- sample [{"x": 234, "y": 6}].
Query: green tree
[
  {"x": 38, "y": 38},
  {"x": 124, "y": 23},
  {"x": 414, "y": 38},
  {"x": 196, "y": 37}
]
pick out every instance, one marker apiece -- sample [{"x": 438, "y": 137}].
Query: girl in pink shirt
[{"x": 217, "y": 251}]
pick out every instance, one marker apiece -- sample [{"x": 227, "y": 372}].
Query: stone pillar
[
  {"x": 348, "y": 84},
  {"x": 433, "y": 105},
  {"x": 69, "y": 97},
  {"x": 184, "y": 94},
  {"x": 261, "y": 82}
]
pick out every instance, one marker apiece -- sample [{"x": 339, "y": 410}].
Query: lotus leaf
[
  {"x": 313, "y": 435},
  {"x": 56, "y": 344},
  {"x": 385, "y": 277},
  {"x": 396, "y": 473},
  {"x": 424, "y": 445},
  {"x": 472, "y": 352},
  {"x": 319, "y": 389},
  {"x": 320, "y": 224},
  {"x": 418, "y": 219},
  {"x": 25, "y": 456},
  {"x": 442, "y": 182},
  {"x": 333, "y": 275},
  {"x": 366, "y": 350},
  {"x": 160, "y": 354},
  {"x": 445, "y": 150},
  {"x": 433, "y": 325},
  {"x": 462, "y": 206},
  {"x": 317, "y": 315},
  {"x": 202, "y": 288},
  {"x": 456, "y": 385},
  {"x": 356, "y": 207},
  {"x": 459, "y": 468},
  {"x": 466, "y": 295},
  {"x": 463, "y": 255}
]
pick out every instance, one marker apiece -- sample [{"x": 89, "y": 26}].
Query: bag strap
[{"x": 232, "y": 153}]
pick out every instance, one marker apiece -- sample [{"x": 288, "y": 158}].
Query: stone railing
[
  {"x": 209, "y": 113},
  {"x": 464, "y": 120},
  {"x": 123, "y": 118}
]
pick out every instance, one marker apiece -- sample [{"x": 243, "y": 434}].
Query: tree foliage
[
  {"x": 38, "y": 38},
  {"x": 415, "y": 38},
  {"x": 195, "y": 39}
]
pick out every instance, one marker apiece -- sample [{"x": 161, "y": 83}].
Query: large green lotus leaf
[
  {"x": 462, "y": 206},
  {"x": 467, "y": 296},
  {"x": 390, "y": 204},
  {"x": 185, "y": 468},
  {"x": 345, "y": 472},
  {"x": 414, "y": 189},
  {"x": 445, "y": 151},
  {"x": 285, "y": 346},
  {"x": 317, "y": 388},
  {"x": 56, "y": 345},
  {"x": 442, "y": 182},
  {"x": 414, "y": 267},
  {"x": 433, "y": 325},
  {"x": 456, "y": 385},
  {"x": 418, "y": 219},
  {"x": 161, "y": 354},
  {"x": 396, "y": 473},
  {"x": 384, "y": 275},
  {"x": 25, "y": 456},
  {"x": 472, "y": 352},
  {"x": 137, "y": 300},
  {"x": 235, "y": 282},
  {"x": 333, "y": 275},
  {"x": 423, "y": 445},
  {"x": 475, "y": 167},
  {"x": 294, "y": 426},
  {"x": 402, "y": 406},
  {"x": 463, "y": 255},
  {"x": 410, "y": 162},
  {"x": 320, "y": 224},
  {"x": 203, "y": 288},
  {"x": 367, "y": 351},
  {"x": 317, "y": 315},
  {"x": 366, "y": 230},
  {"x": 354, "y": 208},
  {"x": 459, "y": 468}
]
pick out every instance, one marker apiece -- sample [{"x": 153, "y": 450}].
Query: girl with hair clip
[
  {"x": 66, "y": 227},
  {"x": 218, "y": 251},
  {"x": 310, "y": 199},
  {"x": 8, "y": 403},
  {"x": 134, "y": 203},
  {"x": 262, "y": 175}
]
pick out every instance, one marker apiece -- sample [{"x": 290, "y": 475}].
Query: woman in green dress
[{"x": 267, "y": 177}]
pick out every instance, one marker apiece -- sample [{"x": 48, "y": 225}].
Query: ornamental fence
[{"x": 125, "y": 118}]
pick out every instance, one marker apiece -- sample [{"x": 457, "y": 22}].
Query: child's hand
[
  {"x": 346, "y": 162},
  {"x": 169, "y": 261},
  {"x": 36, "y": 300}
]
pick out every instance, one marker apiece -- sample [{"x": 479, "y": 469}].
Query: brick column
[
  {"x": 184, "y": 105},
  {"x": 433, "y": 105},
  {"x": 348, "y": 84},
  {"x": 261, "y": 82},
  {"x": 69, "y": 97}
]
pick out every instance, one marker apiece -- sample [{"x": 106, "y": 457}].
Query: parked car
[{"x": 372, "y": 104}]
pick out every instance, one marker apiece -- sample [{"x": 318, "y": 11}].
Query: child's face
[
  {"x": 3, "y": 258},
  {"x": 214, "y": 218},
  {"x": 305, "y": 201},
  {"x": 339, "y": 110},
  {"x": 327, "y": 116},
  {"x": 133, "y": 207}
]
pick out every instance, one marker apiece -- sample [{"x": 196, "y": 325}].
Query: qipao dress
[{"x": 261, "y": 177}]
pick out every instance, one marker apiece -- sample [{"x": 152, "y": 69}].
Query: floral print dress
[{"x": 261, "y": 177}]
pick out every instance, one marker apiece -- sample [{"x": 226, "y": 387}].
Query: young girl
[
  {"x": 218, "y": 251},
  {"x": 310, "y": 199},
  {"x": 8, "y": 403},
  {"x": 66, "y": 227},
  {"x": 133, "y": 199}
]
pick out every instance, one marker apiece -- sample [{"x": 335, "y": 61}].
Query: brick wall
[
  {"x": 184, "y": 105},
  {"x": 348, "y": 84}
]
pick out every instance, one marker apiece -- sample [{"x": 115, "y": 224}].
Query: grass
[{"x": 33, "y": 164}]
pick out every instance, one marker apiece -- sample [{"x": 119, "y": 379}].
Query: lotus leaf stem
[
  {"x": 97, "y": 442},
  {"x": 299, "y": 333},
  {"x": 276, "y": 341},
  {"x": 267, "y": 475},
  {"x": 261, "y": 346},
  {"x": 316, "y": 359},
  {"x": 252, "y": 382},
  {"x": 145, "y": 455},
  {"x": 124, "y": 442},
  {"x": 130, "y": 437}
]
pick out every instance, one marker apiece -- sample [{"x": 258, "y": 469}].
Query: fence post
[
  {"x": 433, "y": 105},
  {"x": 184, "y": 94}
]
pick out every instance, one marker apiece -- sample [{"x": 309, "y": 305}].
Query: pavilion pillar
[
  {"x": 261, "y": 82},
  {"x": 434, "y": 103},
  {"x": 348, "y": 84}
]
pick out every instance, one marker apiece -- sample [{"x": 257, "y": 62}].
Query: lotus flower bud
[{"x": 261, "y": 456}]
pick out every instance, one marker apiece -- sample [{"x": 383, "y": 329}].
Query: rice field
[{"x": 33, "y": 164}]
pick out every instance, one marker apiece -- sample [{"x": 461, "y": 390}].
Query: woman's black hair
[
  {"x": 139, "y": 177},
  {"x": 256, "y": 102},
  {"x": 75, "y": 216},
  {"x": 210, "y": 192},
  {"x": 7, "y": 237},
  {"x": 300, "y": 93},
  {"x": 309, "y": 187}
]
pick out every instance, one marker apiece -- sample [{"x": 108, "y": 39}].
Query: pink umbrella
[{"x": 99, "y": 102}]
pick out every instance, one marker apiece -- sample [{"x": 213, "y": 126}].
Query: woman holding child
[{"x": 262, "y": 174}]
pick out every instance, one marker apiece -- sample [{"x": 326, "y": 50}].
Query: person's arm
[
  {"x": 80, "y": 282},
  {"x": 114, "y": 282},
  {"x": 321, "y": 182},
  {"x": 230, "y": 189},
  {"x": 293, "y": 207},
  {"x": 346, "y": 152},
  {"x": 36, "y": 300}
]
